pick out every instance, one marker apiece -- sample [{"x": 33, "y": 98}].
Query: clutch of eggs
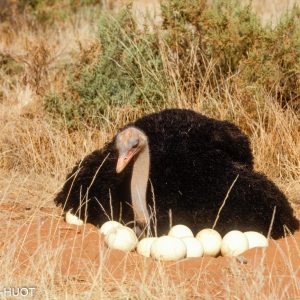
[{"x": 181, "y": 242}]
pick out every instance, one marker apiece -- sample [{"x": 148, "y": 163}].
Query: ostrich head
[
  {"x": 129, "y": 143},
  {"x": 132, "y": 143}
]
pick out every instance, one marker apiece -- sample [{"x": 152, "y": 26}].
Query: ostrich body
[{"x": 181, "y": 162}]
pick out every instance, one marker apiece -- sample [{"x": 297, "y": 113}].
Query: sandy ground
[{"x": 79, "y": 254}]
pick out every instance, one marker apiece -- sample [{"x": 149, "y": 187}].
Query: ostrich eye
[{"x": 134, "y": 144}]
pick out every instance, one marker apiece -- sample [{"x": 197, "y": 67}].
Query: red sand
[{"x": 80, "y": 251}]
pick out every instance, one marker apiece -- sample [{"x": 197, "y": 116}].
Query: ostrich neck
[{"x": 139, "y": 182}]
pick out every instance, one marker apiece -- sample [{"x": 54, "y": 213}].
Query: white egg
[
  {"x": 211, "y": 241},
  {"x": 180, "y": 231},
  {"x": 144, "y": 246},
  {"x": 194, "y": 247},
  {"x": 72, "y": 219},
  {"x": 234, "y": 243},
  {"x": 121, "y": 238},
  {"x": 108, "y": 226},
  {"x": 256, "y": 239},
  {"x": 168, "y": 248}
]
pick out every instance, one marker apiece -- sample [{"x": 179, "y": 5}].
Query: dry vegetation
[{"x": 37, "y": 57}]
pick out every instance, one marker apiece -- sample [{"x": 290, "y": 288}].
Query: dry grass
[{"x": 35, "y": 155}]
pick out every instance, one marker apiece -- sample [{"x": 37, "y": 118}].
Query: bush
[
  {"x": 225, "y": 30},
  {"x": 200, "y": 47},
  {"x": 127, "y": 71},
  {"x": 273, "y": 63},
  {"x": 209, "y": 41}
]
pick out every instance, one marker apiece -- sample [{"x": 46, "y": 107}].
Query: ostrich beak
[{"x": 124, "y": 159}]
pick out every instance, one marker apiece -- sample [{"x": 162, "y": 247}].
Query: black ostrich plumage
[{"x": 193, "y": 162}]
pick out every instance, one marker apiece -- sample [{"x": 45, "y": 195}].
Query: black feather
[{"x": 193, "y": 162}]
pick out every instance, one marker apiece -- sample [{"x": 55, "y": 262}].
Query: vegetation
[
  {"x": 72, "y": 73},
  {"x": 127, "y": 71},
  {"x": 205, "y": 47}
]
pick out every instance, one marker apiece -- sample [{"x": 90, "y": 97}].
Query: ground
[{"x": 74, "y": 261}]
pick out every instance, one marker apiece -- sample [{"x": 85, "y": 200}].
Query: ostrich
[{"x": 179, "y": 163}]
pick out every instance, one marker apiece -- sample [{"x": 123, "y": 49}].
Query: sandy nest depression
[{"x": 79, "y": 254}]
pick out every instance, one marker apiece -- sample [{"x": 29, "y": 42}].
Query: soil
[{"x": 79, "y": 253}]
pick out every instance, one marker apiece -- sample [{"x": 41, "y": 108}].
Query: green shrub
[
  {"x": 209, "y": 41},
  {"x": 127, "y": 71},
  {"x": 225, "y": 30},
  {"x": 273, "y": 63},
  {"x": 200, "y": 48}
]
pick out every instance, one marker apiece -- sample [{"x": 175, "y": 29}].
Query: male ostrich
[{"x": 178, "y": 163}]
